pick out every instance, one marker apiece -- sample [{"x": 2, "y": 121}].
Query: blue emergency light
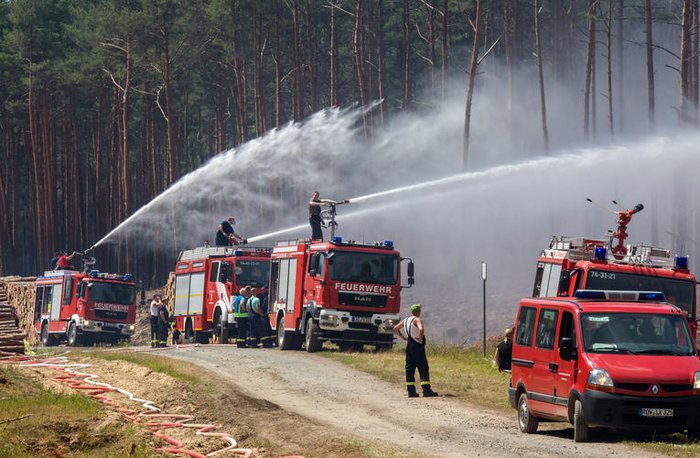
[
  {"x": 238, "y": 253},
  {"x": 127, "y": 277},
  {"x": 589, "y": 294},
  {"x": 652, "y": 296},
  {"x": 337, "y": 239},
  {"x": 389, "y": 243},
  {"x": 682, "y": 262},
  {"x": 94, "y": 273},
  {"x": 600, "y": 253}
]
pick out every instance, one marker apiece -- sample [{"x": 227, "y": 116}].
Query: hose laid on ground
[{"x": 149, "y": 418}]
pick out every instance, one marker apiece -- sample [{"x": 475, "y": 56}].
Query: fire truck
[
  {"x": 342, "y": 292},
  {"x": 579, "y": 263},
  {"x": 84, "y": 307},
  {"x": 207, "y": 279}
]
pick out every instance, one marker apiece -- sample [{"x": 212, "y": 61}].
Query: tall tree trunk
[
  {"x": 540, "y": 75},
  {"x": 380, "y": 58},
  {"x": 333, "y": 72},
  {"x": 358, "y": 53},
  {"x": 507, "y": 28},
  {"x": 406, "y": 56},
  {"x": 621, "y": 63},
  {"x": 609, "y": 61},
  {"x": 589, "y": 92},
  {"x": 470, "y": 85},
  {"x": 648, "y": 19},
  {"x": 686, "y": 52}
]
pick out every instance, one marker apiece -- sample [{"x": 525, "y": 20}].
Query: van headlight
[
  {"x": 599, "y": 379},
  {"x": 696, "y": 383},
  {"x": 88, "y": 324}
]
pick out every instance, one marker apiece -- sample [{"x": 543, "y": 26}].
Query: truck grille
[
  {"x": 362, "y": 299},
  {"x": 110, "y": 314}
]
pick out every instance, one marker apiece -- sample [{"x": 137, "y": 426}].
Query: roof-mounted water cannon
[
  {"x": 88, "y": 259},
  {"x": 624, "y": 217},
  {"x": 328, "y": 215}
]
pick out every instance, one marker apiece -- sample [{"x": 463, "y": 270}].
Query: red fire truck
[
  {"x": 84, "y": 307},
  {"x": 343, "y": 292},
  {"x": 576, "y": 263},
  {"x": 207, "y": 279}
]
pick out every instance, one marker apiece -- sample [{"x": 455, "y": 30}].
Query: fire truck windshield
[
  {"x": 113, "y": 293},
  {"x": 636, "y": 334},
  {"x": 253, "y": 273},
  {"x": 678, "y": 292},
  {"x": 364, "y": 267}
]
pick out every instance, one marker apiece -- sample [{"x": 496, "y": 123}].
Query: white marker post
[{"x": 483, "y": 277}]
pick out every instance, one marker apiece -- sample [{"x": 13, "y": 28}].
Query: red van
[{"x": 617, "y": 359}]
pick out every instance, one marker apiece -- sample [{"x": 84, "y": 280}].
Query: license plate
[
  {"x": 361, "y": 319},
  {"x": 655, "y": 413}
]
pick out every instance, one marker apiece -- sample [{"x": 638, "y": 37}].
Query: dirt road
[{"x": 361, "y": 405}]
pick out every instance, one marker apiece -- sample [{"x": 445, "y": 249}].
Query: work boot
[
  {"x": 412, "y": 393},
  {"x": 428, "y": 393}
]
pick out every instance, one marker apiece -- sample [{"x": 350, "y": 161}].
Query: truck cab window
[{"x": 526, "y": 326}]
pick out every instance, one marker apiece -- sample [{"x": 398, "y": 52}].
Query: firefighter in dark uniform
[
  {"x": 240, "y": 313},
  {"x": 255, "y": 320},
  {"x": 315, "y": 205},
  {"x": 412, "y": 331},
  {"x": 163, "y": 325}
]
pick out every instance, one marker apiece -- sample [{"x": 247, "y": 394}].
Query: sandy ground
[{"x": 360, "y": 405}]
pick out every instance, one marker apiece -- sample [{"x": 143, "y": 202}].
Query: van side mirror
[{"x": 567, "y": 351}]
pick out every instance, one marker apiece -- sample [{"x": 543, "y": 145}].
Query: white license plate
[
  {"x": 655, "y": 413},
  {"x": 361, "y": 319}
]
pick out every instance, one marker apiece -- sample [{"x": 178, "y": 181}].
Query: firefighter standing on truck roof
[
  {"x": 240, "y": 313},
  {"x": 225, "y": 233},
  {"x": 412, "y": 331},
  {"x": 315, "y": 205}
]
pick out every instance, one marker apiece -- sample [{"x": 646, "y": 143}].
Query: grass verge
[
  {"x": 36, "y": 422},
  {"x": 459, "y": 372},
  {"x": 151, "y": 361}
]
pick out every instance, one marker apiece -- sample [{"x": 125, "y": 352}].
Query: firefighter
[
  {"x": 163, "y": 325},
  {"x": 63, "y": 262},
  {"x": 269, "y": 336},
  {"x": 412, "y": 331},
  {"x": 255, "y": 318},
  {"x": 315, "y": 205},
  {"x": 240, "y": 313},
  {"x": 226, "y": 234},
  {"x": 154, "y": 316}
]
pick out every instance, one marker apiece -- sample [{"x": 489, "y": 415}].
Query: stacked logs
[
  {"x": 18, "y": 293},
  {"x": 169, "y": 293}
]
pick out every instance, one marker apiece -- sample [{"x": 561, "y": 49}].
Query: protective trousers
[
  {"x": 163, "y": 329},
  {"x": 316, "y": 232},
  {"x": 255, "y": 322},
  {"x": 415, "y": 358},
  {"x": 242, "y": 324},
  {"x": 154, "y": 330}
]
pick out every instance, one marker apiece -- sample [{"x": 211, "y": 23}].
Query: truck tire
[
  {"x": 219, "y": 328},
  {"x": 313, "y": 345},
  {"x": 527, "y": 422},
  {"x": 72, "y": 336},
  {"x": 47, "y": 340},
  {"x": 285, "y": 339},
  {"x": 580, "y": 424}
]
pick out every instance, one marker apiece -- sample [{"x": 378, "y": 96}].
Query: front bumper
[
  {"x": 93, "y": 326},
  {"x": 342, "y": 326},
  {"x": 625, "y": 412}
]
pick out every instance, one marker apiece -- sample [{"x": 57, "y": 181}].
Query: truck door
[
  {"x": 55, "y": 301},
  {"x": 67, "y": 298},
  {"x": 565, "y": 377},
  {"x": 545, "y": 366},
  {"x": 211, "y": 292},
  {"x": 314, "y": 289}
]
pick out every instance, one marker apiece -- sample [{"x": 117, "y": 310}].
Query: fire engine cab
[
  {"x": 84, "y": 307},
  {"x": 573, "y": 263},
  {"x": 342, "y": 292},
  {"x": 207, "y": 279}
]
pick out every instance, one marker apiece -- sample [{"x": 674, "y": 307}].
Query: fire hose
[{"x": 150, "y": 417}]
